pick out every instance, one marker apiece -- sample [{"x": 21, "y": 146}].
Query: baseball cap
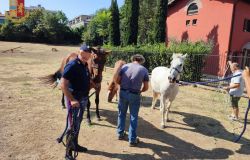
[{"x": 84, "y": 47}]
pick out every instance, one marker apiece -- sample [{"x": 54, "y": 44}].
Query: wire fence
[{"x": 215, "y": 67}]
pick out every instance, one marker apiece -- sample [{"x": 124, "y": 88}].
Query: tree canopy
[
  {"x": 98, "y": 28},
  {"x": 40, "y": 26}
]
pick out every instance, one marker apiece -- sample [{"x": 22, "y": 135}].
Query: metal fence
[{"x": 216, "y": 66}]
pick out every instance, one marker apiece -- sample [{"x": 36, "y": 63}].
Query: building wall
[
  {"x": 1, "y": 20},
  {"x": 79, "y": 21},
  {"x": 213, "y": 22},
  {"x": 239, "y": 37}
]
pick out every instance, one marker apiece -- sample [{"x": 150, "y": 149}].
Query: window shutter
[
  {"x": 245, "y": 25},
  {"x": 248, "y": 26}
]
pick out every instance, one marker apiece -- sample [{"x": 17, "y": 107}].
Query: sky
[{"x": 72, "y": 8}]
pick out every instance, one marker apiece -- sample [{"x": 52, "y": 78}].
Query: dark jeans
[
  {"x": 131, "y": 101},
  {"x": 78, "y": 114}
]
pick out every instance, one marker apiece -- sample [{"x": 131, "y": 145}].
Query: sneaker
[
  {"x": 134, "y": 144},
  {"x": 80, "y": 148},
  {"x": 122, "y": 136}
]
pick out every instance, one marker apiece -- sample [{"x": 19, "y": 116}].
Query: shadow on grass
[
  {"x": 147, "y": 101},
  {"x": 175, "y": 147}
]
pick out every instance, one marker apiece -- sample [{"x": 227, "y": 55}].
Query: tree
[
  {"x": 160, "y": 21},
  {"x": 114, "y": 25},
  {"x": 97, "y": 29},
  {"x": 146, "y": 17},
  {"x": 35, "y": 17},
  {"x": 7, "y": 30},
  {"x": 130, "y": 16}
]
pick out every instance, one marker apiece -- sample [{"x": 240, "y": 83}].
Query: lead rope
[
  {"x": 245, "y": 123},
  {"x": 75, "y": 116},
  {"x": 60, "y": 139},
  {"x": 213, "y": 81}
]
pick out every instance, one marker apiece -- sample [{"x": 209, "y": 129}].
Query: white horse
[{"x": 164, "y": 82}]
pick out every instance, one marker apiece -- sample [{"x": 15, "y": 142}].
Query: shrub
[{"x": 160, "y": 55}]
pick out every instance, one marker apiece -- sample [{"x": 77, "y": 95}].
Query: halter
[
  {"x": 97, "y": 66},
  {"x": 175, "y": 69},
  {"x": 174, "y": 79}
]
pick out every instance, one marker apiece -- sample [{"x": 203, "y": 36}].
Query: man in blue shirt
[
  {"x": 133, "y": 79},
  {"x": 235, "y": 89},
  {"x": 75, "y": 84}
]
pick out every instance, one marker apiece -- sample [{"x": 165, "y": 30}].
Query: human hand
[
  {"x": 226, "y": 88},
  {"x": 75, "y": 103}
]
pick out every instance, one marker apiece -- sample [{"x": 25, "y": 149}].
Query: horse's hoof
[
  {"x": 168, "y": 120},
  {"x": 152, "y": 108},
  {"x": 89, "y": 122},
  {"x": 163, "y": 126},
  {"x": 98, "y": 118}
]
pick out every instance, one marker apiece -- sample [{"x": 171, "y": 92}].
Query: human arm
[
  {"x": 246, "y": 77},
  {"x": 232, "y": 86},
  {"x": 230, "y": 62},
  {"x": 145, "y": 81},
  {"x": 145, "y": 86},
  {"x": 67, "y": 93}
]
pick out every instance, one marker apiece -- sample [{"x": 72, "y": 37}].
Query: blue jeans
[
  {"x": 76, "y": 112},
  {"x": 132, "y": 101}
]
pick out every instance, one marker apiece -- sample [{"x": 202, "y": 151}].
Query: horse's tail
[{"x": 52, "y": 79}]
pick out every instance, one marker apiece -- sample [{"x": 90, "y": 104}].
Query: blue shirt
[
  {"x": 237, "y": 92},
  {"x": 78, "y": 75},
  {"x": 132, "y": 76}
]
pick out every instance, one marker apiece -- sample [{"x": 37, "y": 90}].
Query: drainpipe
[{"x": 232, "y": 27}]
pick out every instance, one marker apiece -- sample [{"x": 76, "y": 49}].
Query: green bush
[{"x": 160, "y": 55}]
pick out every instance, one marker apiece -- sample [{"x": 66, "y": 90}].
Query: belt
[{"x": 133, "y": 92}]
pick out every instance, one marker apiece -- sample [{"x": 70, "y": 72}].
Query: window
[
  {"x": 246, "y": 27},
  {"x": 194, "y": 22},
  {"x": 187, "y": 22},
  {"x": 192, "y": 9}
]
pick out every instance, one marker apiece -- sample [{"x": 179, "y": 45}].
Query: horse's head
[
  {"x": 98, "y": 60},
  {"x": 176, "y": 67}
]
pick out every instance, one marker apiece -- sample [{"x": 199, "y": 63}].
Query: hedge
[{"x": 160, "y": 55}]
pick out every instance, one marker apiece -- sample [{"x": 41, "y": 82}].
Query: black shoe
[
  {"x": 122, "y": 136},
  {"x": 80, "y": 148},
  {"x": 69, "y": 157},
  {"x": 134, "y": 144}
]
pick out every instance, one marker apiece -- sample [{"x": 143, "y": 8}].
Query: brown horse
[
  {"x": 113, "y": 87},
  {"x": 95, "y": 64}
]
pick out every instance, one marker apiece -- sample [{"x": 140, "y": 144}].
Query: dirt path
[{"x": 31, "y": 117}]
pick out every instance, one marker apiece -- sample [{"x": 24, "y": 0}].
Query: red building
[{"x": 226, "y": 22}]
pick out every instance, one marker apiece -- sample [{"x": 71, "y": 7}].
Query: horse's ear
[
  {"x": 174, "y": 55},
  {"x": 107, "y": 52},
  {"x": 185, "y": 55}
]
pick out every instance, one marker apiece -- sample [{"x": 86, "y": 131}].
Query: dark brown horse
[{"x": 95, "y": 64}]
